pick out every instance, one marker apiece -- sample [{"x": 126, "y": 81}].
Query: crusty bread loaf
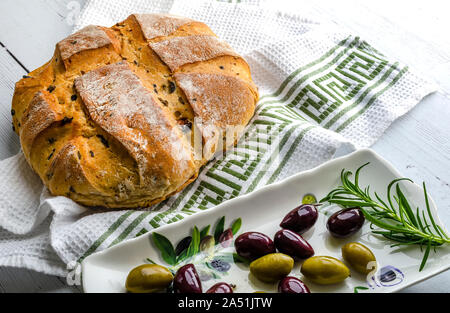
[{"x": 124, "y": 117}]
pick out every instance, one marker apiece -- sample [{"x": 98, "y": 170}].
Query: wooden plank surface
[
  {"x": 10, "y": 71},
  {"x": 34, "y": 27},
  {"x": 30, "y": 32},
  {"x": 414, "y": 31}
]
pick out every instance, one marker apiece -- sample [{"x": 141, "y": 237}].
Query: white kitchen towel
[{"x": 322, "y": 88}]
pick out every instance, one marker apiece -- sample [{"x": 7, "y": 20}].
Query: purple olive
[
  {"x": 292, "y": 244},
  {"x": 187, "y": 280},
  {"x": 226, "y": 239},
  {"x": 301, "y": 219},
  {"x": 346, "y": 222},
  {"x": 220, "y": 288},
  {"x": 254, "y": 245},
  {"x": 292, "y": 285},
  {"x": 183, "y": 245}
]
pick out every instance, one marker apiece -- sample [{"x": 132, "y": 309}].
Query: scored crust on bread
[
  {"x": 113, "y": 120},
  {"x": 118, "y": 102},
  {"x": 40, "y": 114},
  {"x": 157, "y": 25},
  {"x": 178, "y": 51},
  {"x": 90, "y": 37}
]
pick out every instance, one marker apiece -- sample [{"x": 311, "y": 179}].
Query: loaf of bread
[{"x": 124, "y": 117}]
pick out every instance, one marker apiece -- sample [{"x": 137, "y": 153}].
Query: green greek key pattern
[{"x": 330, "y": 92}]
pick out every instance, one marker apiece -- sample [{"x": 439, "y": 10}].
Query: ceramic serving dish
[{"x": 263, "y": 211}]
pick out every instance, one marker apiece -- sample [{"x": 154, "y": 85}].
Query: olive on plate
[
  {"x": 226, "y": 238},
  {"x": 207, "y": 245},
  {"x": 325, "y": 270},
  {"x": 309, "y": 199},
  {"x": 253, "y": 245},
  {"x": 359, "y": 257},
  {"x": 187, "y": 280},
  {"x": 272, "y": 267},
  {"x": 148, "y": 278},
  {"x": 292, "y": 285},
  {"x": 220, "y": 288},
  {"x": 292, "y": 244},
  {"x": 346, "y": 222},
  {"x": 183, "y": 245},
  {"x": 301, "y": 219}
]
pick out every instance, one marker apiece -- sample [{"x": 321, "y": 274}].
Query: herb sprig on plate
[{"x": 395, "y": 217}]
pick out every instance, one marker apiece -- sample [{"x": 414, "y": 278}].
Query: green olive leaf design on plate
[
  {"x": 219, "y": 229},
  {"x": 236, "y": 226},
  {"x": 360, "y": 288},
  {"x": 165, "y": 246},
  {"x": 193, "y": 249},
  {"x": 238, "y": 259},
  {"x": 205, "y": 232}
]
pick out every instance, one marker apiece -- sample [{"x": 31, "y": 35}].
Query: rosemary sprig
[{"x": 394, "y": 217}]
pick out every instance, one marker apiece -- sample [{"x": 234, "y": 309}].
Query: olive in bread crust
[{"x": 124, "y": 117}]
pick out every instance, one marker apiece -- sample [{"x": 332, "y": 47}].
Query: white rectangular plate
[{"x": 263, "y": 211}]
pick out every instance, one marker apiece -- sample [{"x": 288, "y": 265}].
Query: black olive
[
  {"x": 346, "y": 222},
  {"x": 66, "y": 121},
  {"x": 183, "y": 245},
  {"x": 172, "y": 87},
  {"x": 51, "y": 155},
  {"x": 165, "y": 102},
  {"x": 103, "y": 140},
  {"x": 185, "y": 124}
]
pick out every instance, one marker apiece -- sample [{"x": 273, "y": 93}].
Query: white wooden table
[{"x": 414, "y": 31}]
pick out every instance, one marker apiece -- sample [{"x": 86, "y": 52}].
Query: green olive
[
  {"x": 149, "y": 278},
  {"x": 207, "y": 245},
  {"x": 359, "y": 257},
  {"x": 325, "y": 270},
  {"x": 272, "y": 267}
]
